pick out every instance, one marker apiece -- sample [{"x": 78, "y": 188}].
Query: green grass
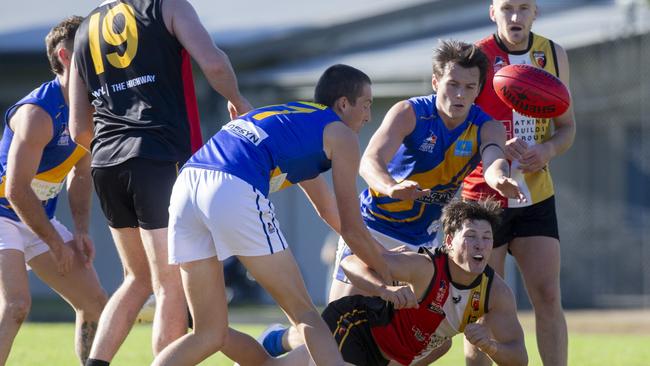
[{"x": 52, "y": 344}]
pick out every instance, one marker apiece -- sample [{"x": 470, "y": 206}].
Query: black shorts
[
  {"x": 349, "y": 319},
  {"x": 136, "y": 192},
  {"x": 538, "y": 219}
]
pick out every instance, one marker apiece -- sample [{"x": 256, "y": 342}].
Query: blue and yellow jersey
[
  {"x": 435, "y": 157},
  {"x": 59, "y": 155},
  {"x": 271, "y": 147}
]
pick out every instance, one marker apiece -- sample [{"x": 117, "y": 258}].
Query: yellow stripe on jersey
[
  {"x": 56, "y": 174},
  {"x": 540, "y": 183},
  {"x": 453, "y": 168},
  {"x": 59, "y": 172},
  {"x": 475, "y": 307},
  {"x": 408, "y": 219}
]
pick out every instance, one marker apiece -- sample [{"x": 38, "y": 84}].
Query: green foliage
[{"x": 52, "y": 344}]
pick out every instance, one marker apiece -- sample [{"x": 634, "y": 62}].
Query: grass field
[{"x": 596, "y": 338}]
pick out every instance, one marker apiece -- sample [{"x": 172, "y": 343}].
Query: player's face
[
  {"x": 358, "y": 114},
  {"x": 514, "y": 19},
  {"x": 470, "y": 249},
  {"x": 456, "y": 90}
]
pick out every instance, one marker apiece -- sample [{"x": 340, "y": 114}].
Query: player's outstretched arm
[
  {"x": 406, "y": 267},
  {"x": 32, "y": 128},
  {"x": 539, "y": 155},
  {"x": 343, "y": 147},
  {"x": 497, "y": 169},
  {"x": 500, "y": 335},
  {"x": 398, "y": 123},
  {"x": 183, "y": 22},
  {"x": 323, "y": 200}
]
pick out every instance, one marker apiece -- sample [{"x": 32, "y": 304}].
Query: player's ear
[
  {"x": 64, "y": 56},
  {"x": 492, "y": 13},
  {"x": 341, "y": 104},
  {"x": 448, "y": 239},
  {"x": 434, "y": 82}
]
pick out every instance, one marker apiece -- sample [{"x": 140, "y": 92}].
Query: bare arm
[
  {"x": 537, "y": 156},
  {"x": 81, "y": 111},
  {"x": 497, "y": 171},
  {"x": 500, "y": 335},
  {"x": 323, "y": 200},
  {"x": 79, "y": 198},
  {"x": 343, "y": 147},
  {"x": 398, "y": 123},
  {"x": 183, "y": 22},
  {"x": 407, "y": 267},
  {"x": 32, "y": 128}
]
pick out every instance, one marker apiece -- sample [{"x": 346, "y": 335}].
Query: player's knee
[
  {"x": 212, "y": 338},
  {"x": 93, "y": 305},
  {"x": 138, "y": 285},
  {"x": 309, "y": 317},
  {"x": 16, "y": 310},
  {"x": 545, "y": 295}
]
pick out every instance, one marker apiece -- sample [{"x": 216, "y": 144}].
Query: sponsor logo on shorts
[
  {"x": 246, "y": 130},
  {"x": 270, "y": 228}
]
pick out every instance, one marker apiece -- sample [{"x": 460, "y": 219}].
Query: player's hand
[
  {"x": 479, "y": 335},
  {"x": 239, "y": 107},
  {"x": 515, "y": 149},
  {"x": 508, "y": 187},
  {"x": 63, "y": 257},
  {"x": 535, "y": 158},
  {"x": 85, "y": 248},
  {"x": 407, "y": 190},
  {"x": 401, "y": 296}
]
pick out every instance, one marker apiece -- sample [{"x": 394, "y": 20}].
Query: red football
[{"x": 531, "y": 91}]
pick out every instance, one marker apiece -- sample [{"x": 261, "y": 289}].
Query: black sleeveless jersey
[{"x": 134, "y": 70}]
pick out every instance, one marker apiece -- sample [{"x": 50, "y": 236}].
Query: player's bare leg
[
  {"x": 170, "y": 317},
  {"x": 205, "y": 291},
  {"x": 15, "y": 300},
  {"x": 122, "y": 308},
  {"x": 279, "y": 274},
  {"x": 474, "y": 356},
  {"x": 81, "y": 289},
  {"x": 538, "y": 258}
]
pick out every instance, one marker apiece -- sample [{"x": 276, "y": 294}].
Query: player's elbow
[
  {"x": 215, "y": 65},
  {"x": 14, "y": 193},
  {"x": 81, "y": 138}
]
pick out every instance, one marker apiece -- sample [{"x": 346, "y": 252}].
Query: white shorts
[
  {"x": 17, "y": 235},
  {"x": 342, "y": 250},
  {"x": 212, "y": 213}
]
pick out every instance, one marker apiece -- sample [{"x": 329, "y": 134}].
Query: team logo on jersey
[
  {"x": 476, "y": 301},
  {"x": 429, "y": 143},
  {"x": 463, "y": 148},
  {"x": 499, "y": 63},
  {"x": 456, "y": 299},
  {"x": 540, "y": 58},
  {"x": 246, "y": 130},
  {"x": 64, "y": 139}
]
